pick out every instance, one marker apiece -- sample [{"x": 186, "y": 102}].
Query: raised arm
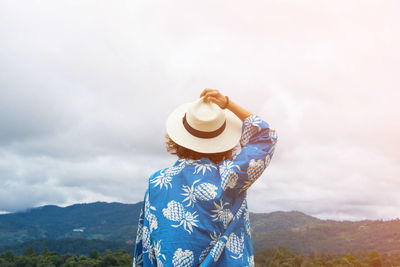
[{"x": 257, "y": 142}]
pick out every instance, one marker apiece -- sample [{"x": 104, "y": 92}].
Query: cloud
[{"x": 85, "y": 89}]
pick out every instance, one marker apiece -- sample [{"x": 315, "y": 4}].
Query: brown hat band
[{"x": 202, "y": 134}]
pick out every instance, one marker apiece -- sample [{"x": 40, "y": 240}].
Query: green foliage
[
  {"x": 282, "y": 256},
  {"x": 273, "y": 257},
  {"x": 116, "y": 222},
  {"x": 118, "y": 258},
  {"x": 64, "y": 246}
]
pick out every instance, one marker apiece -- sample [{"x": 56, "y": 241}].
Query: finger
[
  {"x": 213, "y": 99},
  {"x": 205, "y": 91},
  {"x": 207, "y": 97},
  {"x": 215, "y": 94}
]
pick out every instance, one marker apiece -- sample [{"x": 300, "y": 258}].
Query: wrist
[{"x": 226, "y": 102}]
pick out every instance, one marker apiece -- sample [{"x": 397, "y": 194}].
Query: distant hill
[
  {"x": 279, "y": 220},
  {"x": 117, "y": 222},
  {"x": 98, "y": 220}
]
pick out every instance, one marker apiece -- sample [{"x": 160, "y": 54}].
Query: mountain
[
  {"x": 98, "y": 220},
  {"x": 326, "y": 235},
  {"x": 118, "y": 222},
  {"x": 279, "y": 220}
]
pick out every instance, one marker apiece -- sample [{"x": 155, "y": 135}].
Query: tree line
[{"x": 272, "y": 257}]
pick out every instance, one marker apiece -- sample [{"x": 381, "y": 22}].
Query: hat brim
[{"x": 227, "y": 140}]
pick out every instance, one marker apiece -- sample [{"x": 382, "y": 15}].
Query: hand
[{"x": 213, "y": 95}]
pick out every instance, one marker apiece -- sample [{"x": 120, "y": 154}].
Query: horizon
[{"x": 285, "y": 211}]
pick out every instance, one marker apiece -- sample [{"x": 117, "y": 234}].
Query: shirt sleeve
[
  {"x": 257, "y": 146},
  {"x": 138, "y": 251}
]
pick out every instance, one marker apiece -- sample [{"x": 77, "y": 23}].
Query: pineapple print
[
  {"x": 251, "y": 127},
  {"x": 247, "y": 222},
  {"x": 214, "y": 239},
  {"x": 161, "y": 180},
  {"x": 148, "y": 247},
  {"x": 177, "y": 213},
  {"x": 158, "y": 254},
  {"x": 186, "y": 162},
  {"x": 235, "y": 245},
  {"x": 218, "y": 248},
  {"x": 151, "y": 218},
  {"x": 174, "y": 211},
  {"x": 174, "y": 170},
  {"x": 139, "y": 233},
  {"x": 254, "y": 170},
  {"x": 183, "y": 258},
  {"x": 166, "y": 175},
  {"x": 153, "y": 224},
  {"x": 146, "y": 238},
  {"x": 273, "y": 135},
  {"x": 138, "y": 260},
  {"x": 228, "y": 176},
  {"x": 241, "y": 209},
  {"x": 250, "y": 261},
  {"x": 203, "y": 167},
  {"x": 267, "y": 160},
  {"x": 203, "y": 191},
  {"x": 221, "y": 214},
  {"x": 236, "y": 151}
]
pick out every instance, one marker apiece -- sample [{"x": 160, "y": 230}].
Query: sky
[{"x": 86, "y": 87}]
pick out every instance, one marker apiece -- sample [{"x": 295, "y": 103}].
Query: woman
[{"x": 195, "y": 212}]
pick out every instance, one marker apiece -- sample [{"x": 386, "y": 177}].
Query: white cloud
[{"x": 85, "y": 88}]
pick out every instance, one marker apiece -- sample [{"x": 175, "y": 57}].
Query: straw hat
[{"x": 204, "y": 127}]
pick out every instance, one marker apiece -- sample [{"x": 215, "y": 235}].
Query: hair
[{"x": 186, "y": 153}]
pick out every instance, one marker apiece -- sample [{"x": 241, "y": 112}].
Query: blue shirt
[{"x": 195, "y": 212}]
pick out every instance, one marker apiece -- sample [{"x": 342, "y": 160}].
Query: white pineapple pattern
[
  {"x": 250, "y": 261},
  {"x": 151, "y": 218},
  {"x": 146, "y": 238},
  {"x": 139, "y": 232},
  {"x": 177, "y": 213},
  {"x": 241, "y": 209},
  {"x": 161, "y": 180},
  {"x": 267, "y": 160},
  {"x": 183, "y": 258},
  {"x": 236, "y": 151},
  {"x": 254, "y": 120},
  {"x": 174, "y": 170},
  {"x": 251, "y": 127},
  {"x": 221, "y": 214},
  {"x": 186, "y": 162},
  {"x": 228, "y": 176},
  {"x": 273, "y": 135},
  {"x": 203, "y": 167},
  {"x": 203, "y": 191},
  {"x": 157, "y": 253},
  {"x": 247, "y": 222},
  {"x": 165, "y": 177},
  {"x": 153, "y": 224},
  {"x": 235, "y": 245},
  {"x": 138, "y": 260},
  {"x": 219, "y": 247},
  {"x": 254, "y": 170},
  {"x": 148, "y": 247},
  {"x": 214, "y": 239}
]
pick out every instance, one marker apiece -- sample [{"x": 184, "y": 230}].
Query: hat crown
[{"x": 205, "y": 116}]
